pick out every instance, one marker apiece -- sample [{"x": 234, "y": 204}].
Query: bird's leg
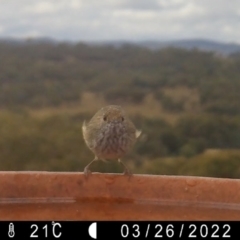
[
  {"x": 126, "y": 170},
  {"x": 86, "y": 169}
]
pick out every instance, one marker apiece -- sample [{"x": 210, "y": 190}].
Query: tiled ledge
[{"x": 70, "y": 196}]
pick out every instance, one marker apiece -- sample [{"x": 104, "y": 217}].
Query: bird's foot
[
  {"x": 87, "y": 172},
  {"x": 127, "y": 172}
]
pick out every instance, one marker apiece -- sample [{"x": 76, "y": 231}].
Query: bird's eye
[
  {"x": 122, "y": 118},
  {"x": 105, "y": 118}
]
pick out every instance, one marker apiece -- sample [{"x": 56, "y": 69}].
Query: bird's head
[{"x": 113, "y": 114}]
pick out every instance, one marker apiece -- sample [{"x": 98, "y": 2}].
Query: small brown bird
[{"x": 110, "y": 134}]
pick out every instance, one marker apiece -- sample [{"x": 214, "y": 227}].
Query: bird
[{"x": 110, "y": 134}]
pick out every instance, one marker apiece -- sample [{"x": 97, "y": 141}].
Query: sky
[{"x": 132, "y": 20}]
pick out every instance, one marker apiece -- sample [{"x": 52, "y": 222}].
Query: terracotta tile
[{"x": 70, "y": 196}]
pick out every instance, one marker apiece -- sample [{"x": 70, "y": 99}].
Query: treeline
[
  {"x": 45, "y": 74},
  {"x": 56, "y": 144},
  {"x": 189, "y": 136},
  {"x": 200, "y": 90}
]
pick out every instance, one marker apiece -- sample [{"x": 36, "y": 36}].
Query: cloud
[
  {"x": 1, "y": 29},
  {"x": 121, "y": 19},
  {"x": 140, "y": 5},
  {"x": 42, "y": 8}
]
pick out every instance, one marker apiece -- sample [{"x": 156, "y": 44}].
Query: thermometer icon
[{"x": 11, "y": 232}]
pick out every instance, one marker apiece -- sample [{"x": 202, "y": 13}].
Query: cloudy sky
[{"x": 82, "y": 20}]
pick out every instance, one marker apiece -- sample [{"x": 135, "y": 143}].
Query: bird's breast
[{"x": 112, "y": 142}]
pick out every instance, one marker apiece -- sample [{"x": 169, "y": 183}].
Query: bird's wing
[
  {"x": 84, "y": 127},
  {"x": 138, "y": 133}
]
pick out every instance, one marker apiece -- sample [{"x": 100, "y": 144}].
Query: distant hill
[
  {"x": 204, "y": 45},
  {"x": 27, "y": 41},
  {"x": 200, "y": 44}
]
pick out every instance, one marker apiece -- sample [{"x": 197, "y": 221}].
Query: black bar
[{"x": 119, "y": 230}]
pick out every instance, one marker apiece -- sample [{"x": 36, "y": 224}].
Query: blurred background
[{"x": 174, "y": 65}]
